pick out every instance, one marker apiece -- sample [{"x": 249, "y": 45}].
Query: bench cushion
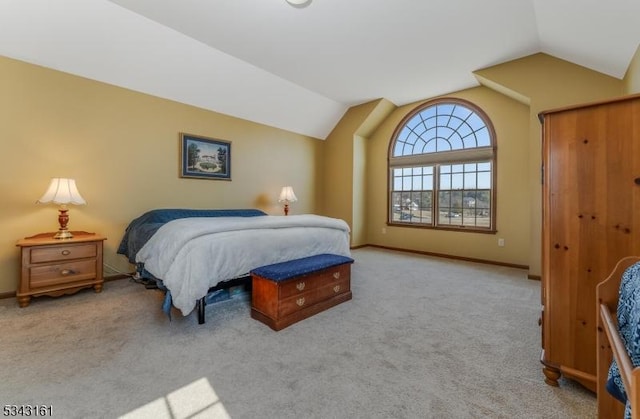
[{"x": 297, "y": 267}]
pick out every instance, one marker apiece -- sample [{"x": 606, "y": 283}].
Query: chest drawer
[
  {"x": 62, "y": 273},
  {"x": 313, "y": 296},
  {"x": 306, "y": 283},
  {"x": 63, "y": 252}
]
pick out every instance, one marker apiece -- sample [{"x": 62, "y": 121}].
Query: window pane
[
  {"x": 404, "y": 133},
  {"x": 470, "y": 180},
  {"x": 430, "y": 146},
  {"x": 462, "y": 112},
  {"x": 428, "y": 113},
  {"x": 470, "y": 141},
  {"x": 458, "y": 127},
  {"x": 456, "y": 181},
  {"x": 464, "y": 190},
  {"x": 427, "y": 182},
  {"x": 442, "y": 145},
  {"x": 465, "y": 130},
  {"x": 475, "y": 122},
  {"x": 456, "y": 142},
  {"x": 484, "y": 166},
  {"x": 484, "y": 180},
  {"x": 444, "y": 199},
  {"x": 445, "y": 181},
  {"x": 397, "y": 149},
  {"x": 483, "y": 137},
  {"x": 417, "y": 183},
  {"x": 414, "y": 121},
  {"x": 420, "y": 147},
  {"x": 483, "y": 200},
  {"x": 411, "y": 138}
]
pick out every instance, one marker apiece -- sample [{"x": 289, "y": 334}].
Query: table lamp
[
  {"x": 62, "y": 191},
  {"x": 287, "y": 196}
]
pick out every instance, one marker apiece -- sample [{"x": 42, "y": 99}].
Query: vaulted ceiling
[{"x": 299, "y": 69}]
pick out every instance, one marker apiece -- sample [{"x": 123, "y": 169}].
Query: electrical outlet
[
  {"x": 501, "y": 242},
  {"x": 384, "y": 230}
]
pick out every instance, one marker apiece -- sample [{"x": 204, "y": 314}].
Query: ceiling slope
[
  {"x": 299, "y": 69},
  {"x": 102, "y": 41}
]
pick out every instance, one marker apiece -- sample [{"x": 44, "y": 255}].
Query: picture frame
[{"x": 204, "y": 157}]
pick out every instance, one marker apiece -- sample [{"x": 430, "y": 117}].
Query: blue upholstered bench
[{"x": 287, "y": 292}]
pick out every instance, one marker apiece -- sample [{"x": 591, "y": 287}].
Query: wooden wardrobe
[{"x": 590, "y": 220}]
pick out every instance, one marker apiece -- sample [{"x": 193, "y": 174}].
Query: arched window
[{"x": 442, "y": 168}]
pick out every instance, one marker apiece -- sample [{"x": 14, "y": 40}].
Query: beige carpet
[{"x": 423, "y": 337}]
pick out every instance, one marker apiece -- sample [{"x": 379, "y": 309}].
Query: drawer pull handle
[
  {"x": 336, "y": 275},
  {"x": 336, "y": 289},
  {"x": 300, "y": 286},
  {"x": 66, "y": 252},
  {"x": 65, "y": 272},
  {"x": 300, "y": 302}
]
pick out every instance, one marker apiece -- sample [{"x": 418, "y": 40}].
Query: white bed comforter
[{"x": 191, "y": 255}]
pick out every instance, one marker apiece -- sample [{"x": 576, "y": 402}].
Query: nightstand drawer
[
  {"x": 47, "y": 275},
  {"x": 56, "y": 267},
  {"x": 65, "y": 252}
]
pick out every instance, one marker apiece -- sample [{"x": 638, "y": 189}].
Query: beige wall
[
  {"x": 122, "y": 148},
  {"x": 545, "y": 82},
  {"x": 510, "y": 119},
  {"x": 632, "y": 77},
  {"x": 345, "y": 166},
  {"x": 512, "y": 94}
]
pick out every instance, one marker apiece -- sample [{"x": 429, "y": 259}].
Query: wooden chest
[{"x": 285, "y": 293}]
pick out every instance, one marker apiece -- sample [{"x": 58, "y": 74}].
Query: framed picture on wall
[{"x": 204, "y": 158}]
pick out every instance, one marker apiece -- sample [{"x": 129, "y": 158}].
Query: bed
[
  {"x": 190, "y": 252},
  {"x": 618, "y": 341}
]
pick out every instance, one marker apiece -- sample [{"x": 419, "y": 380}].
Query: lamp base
[
  {"x": 63, "y": 234},
  {"x": 63, "y": 220}
]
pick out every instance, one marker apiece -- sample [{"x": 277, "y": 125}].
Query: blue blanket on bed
[
  {"x": 629, "y": 328},
  {"x": 142, "y": 228}
]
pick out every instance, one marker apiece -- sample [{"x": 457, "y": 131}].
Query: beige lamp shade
[
  {"x": 287, "y": 195},
  {"x": 62, "y": 191}
]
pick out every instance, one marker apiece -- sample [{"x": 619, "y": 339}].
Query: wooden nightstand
[{"x": 59, "y": 266}]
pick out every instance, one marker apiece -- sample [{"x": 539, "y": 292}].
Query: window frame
[{"x": 437, "y": 159}]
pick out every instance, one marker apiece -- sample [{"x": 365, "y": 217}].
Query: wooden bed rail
[{"x": 610, "y": 345}]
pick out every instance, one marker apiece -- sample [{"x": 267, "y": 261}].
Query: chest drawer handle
[
  {"x": 336, "y": 275},
  {"x": 300, "y": 302},
  {"x": 65, "y": 272},
  {"x": 336, "y": 289},
  {"x": 66, "y": 252},
  {"x": 300, "y": 286}
]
